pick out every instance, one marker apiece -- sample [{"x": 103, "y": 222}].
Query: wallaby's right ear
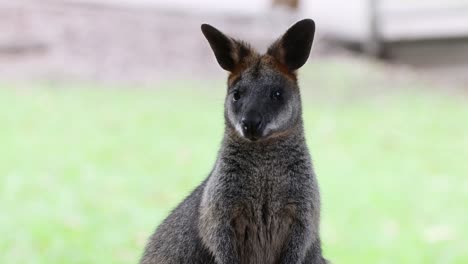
[{"x": 229, "y": 53}]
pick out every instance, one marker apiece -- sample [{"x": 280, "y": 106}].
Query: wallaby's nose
[{"x": 251, "y": 126}]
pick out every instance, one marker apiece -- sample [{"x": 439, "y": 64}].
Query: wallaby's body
[{"x": 260, "y": 204}]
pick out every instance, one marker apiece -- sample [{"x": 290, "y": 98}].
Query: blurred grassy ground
[{"x": 87, "y": 173}]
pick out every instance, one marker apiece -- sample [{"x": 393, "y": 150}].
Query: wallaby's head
[{"x": 263, "y": 99}]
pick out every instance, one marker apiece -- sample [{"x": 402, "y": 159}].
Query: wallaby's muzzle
[{"x": 252, "y": 126}]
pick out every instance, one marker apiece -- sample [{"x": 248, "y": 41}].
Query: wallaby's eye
[
  {"x": 235, "y": 96},
  {"x": 276, "y": 95}
]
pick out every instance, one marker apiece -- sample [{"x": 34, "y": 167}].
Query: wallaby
[{"x": 260, "y": 204}]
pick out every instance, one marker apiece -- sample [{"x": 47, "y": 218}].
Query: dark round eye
[
  {"x": 276, "y": 95},
  {"x": 236, "y": 96}
]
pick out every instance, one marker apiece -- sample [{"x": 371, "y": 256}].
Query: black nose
[{"x": 251, "y": 126}]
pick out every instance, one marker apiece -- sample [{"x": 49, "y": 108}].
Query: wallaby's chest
[
  {"x": 263, "y": 219},
  {"x": 260, "y": 199}
]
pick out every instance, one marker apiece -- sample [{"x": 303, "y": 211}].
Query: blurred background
[{"x": 111, "y": 112}]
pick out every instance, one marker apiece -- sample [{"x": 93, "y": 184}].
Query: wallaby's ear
[
  {"x": 293, "y": 48},
  {"x": 228, "y": 52}
]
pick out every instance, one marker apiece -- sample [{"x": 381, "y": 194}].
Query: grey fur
[{"x": 261, "y": 203}]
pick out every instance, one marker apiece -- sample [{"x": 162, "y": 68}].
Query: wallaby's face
[
  {"x": 262, "y": 103},
  {"x": 263, "y": 99}
]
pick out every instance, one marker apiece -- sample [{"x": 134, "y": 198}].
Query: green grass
[{"x": 87, "y": 173}]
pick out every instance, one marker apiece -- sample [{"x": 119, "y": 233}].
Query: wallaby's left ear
[{"x": 293, "y": 48}]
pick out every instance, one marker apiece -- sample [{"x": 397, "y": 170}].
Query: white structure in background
[
  {"x": 396, "y": 19},
  {"x": 423, "y": 32}
]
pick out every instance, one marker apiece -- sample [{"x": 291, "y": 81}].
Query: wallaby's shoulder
[{"x": 180, "y": 228}]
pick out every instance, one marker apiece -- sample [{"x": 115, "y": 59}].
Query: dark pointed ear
[
  {"x": 293, "y": 48},
  {"x": 229, "y": 53}
]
